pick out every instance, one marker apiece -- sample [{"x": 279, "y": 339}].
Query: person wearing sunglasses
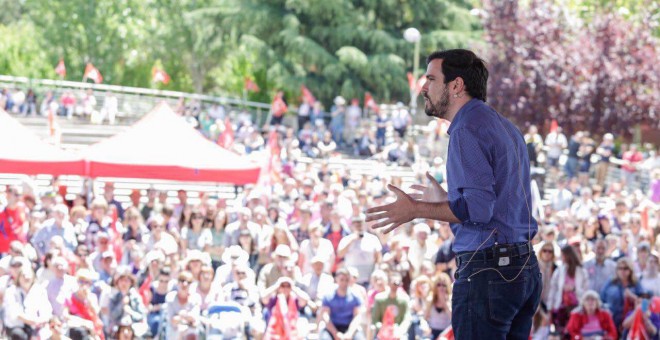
[
  {"x": 158, "y": 291},
  {"x": 620, "y": 293},
  {"x": 438, "y": 313},
  {"x": 182, "y": 314}
]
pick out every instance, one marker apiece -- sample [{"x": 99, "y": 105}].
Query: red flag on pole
[
  {"x": 387, "y": 329},
  {"x": 637, "y": 329},
  {"x": 271, "y": 172},
  {"x": 92, "y": 73},
  {"x": 250, "y": 85},
  {"x": 415, "y": 85},
  {"x": 307, "y": 95},
  {"x": 279, "y": 106},
  {"x": 60, "y": 69},
  {"x": 370, "y": 103},
  {"x": 447, "y": 334},
  {"x": 145, "y": 290},
  {"x": 226, "y": 139},
  {"x": 158, "y": 75},
  {"x": 282, "y": 324}
]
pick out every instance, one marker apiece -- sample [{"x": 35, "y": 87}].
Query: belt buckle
[{"x": 503, "y": 255}]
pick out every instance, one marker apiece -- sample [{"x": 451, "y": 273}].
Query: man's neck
[
  {"x": 456, "y": 106},
  {"x": 392, "y": 294},
  {"x": 342, "y": 292}
]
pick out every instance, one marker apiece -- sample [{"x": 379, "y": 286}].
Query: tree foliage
[
  {"x": 597, "y": 74},
  {"x": 337, "y": 47}
]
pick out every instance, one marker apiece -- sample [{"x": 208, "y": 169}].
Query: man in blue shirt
[
  {"x": 341, "y": 311},
  {"x": 488, "y": 203}
]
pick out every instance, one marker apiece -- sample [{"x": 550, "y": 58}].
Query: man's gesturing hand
[
  {"x": 432, "y": 193},
  {"x": 394, "y": 214}
]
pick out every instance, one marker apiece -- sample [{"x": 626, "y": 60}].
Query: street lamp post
[{"x": 412, "y": 35}]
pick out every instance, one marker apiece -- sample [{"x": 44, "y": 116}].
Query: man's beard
[{"x": 440, "y": 109}]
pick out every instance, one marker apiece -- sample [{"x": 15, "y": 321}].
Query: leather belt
[{"x": 495, "y": 252}]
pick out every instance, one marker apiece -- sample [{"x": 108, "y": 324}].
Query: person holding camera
[{"x": 360, "y": 250}]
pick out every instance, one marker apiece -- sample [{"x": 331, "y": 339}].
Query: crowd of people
[{"x": 296, "y": 259}]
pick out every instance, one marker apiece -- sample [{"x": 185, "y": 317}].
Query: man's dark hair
[{"x": 465, "y": 64}]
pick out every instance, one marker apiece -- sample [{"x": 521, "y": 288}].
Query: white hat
[
  {"x": 196, "y": 255},
  {"x": 339, "y": 100},
  {"x": 235, "y": 254},
  {"x": 422, "y": 228},
  {"x": 319, "y": 258},
  {"x": 282, "y": 250},
  {"x": 153, "y": 256}
]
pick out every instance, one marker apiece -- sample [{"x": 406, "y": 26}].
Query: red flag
[
  {"x": 226, "y": 138},
  {"x": 271, "y": 171},
  {"x": 644, "y": 216},
  {"x": 250, "y": 85},
  {"x": 637, "y": 329},
  {"x": 60, "y": 69},
  {"x": 370, "y": 103},
  {"x": 92, "y": 73},
  {"x": 387, "y": 329},
  {"x": 415, "y": 85},
  {"x": 554, "y": 126},
  {"x": 158, "y": 75},
  {"x": 282, "y": 324},
  {"x": 278, "y": 106},
  {"x": 145, "y": 291},
  {"x": 307, "y": 95},
  {"x": 447, "y": 334}
]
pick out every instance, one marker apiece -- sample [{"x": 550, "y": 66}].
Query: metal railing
[{"x": 135, "y": 101}]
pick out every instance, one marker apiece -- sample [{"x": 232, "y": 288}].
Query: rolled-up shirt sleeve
[{"x": 473, "y": 199}]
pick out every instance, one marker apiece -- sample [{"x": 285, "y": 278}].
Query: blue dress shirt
[{"x": 483, "y": 178}]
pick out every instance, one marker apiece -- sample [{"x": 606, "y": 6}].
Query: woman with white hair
[{"x": 591, "y": 320}]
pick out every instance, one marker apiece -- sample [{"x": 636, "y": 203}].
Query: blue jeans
[
  {"x": 571, "y": 167},
  {"x": 488, "y": 307}
]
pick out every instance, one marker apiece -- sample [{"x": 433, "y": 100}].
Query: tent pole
[{"x": 90, "y": 191}]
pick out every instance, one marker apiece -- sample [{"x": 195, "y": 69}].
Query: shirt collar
[{"x": 457, "y": 118}]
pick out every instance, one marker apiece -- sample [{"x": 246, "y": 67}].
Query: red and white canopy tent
[
  {"x": 23, "y": 152},
  {"x": 162, "y": 146}
]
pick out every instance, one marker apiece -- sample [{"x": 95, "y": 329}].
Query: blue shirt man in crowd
[
  {"x": 488, "y": 203},
  {"x": 340, "y": 311}
]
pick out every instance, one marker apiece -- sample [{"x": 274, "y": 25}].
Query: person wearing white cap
[
  {"x": 360, "y": 249},
  {"x": 317, "y": 282},
  {"x": 422, "y": 247},
  {"x": 232, "y": 258},
  {"x": 102, "y": 242},
  {"x": 282, "y": 265}
]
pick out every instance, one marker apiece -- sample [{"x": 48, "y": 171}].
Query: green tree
[
  {"x": 108, "y": 34},
  {"x": 24, "y": 56},
  {"x": 333, "y": 47}
]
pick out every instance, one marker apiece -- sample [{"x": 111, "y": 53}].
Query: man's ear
[{"x": 459, "y": 85}]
